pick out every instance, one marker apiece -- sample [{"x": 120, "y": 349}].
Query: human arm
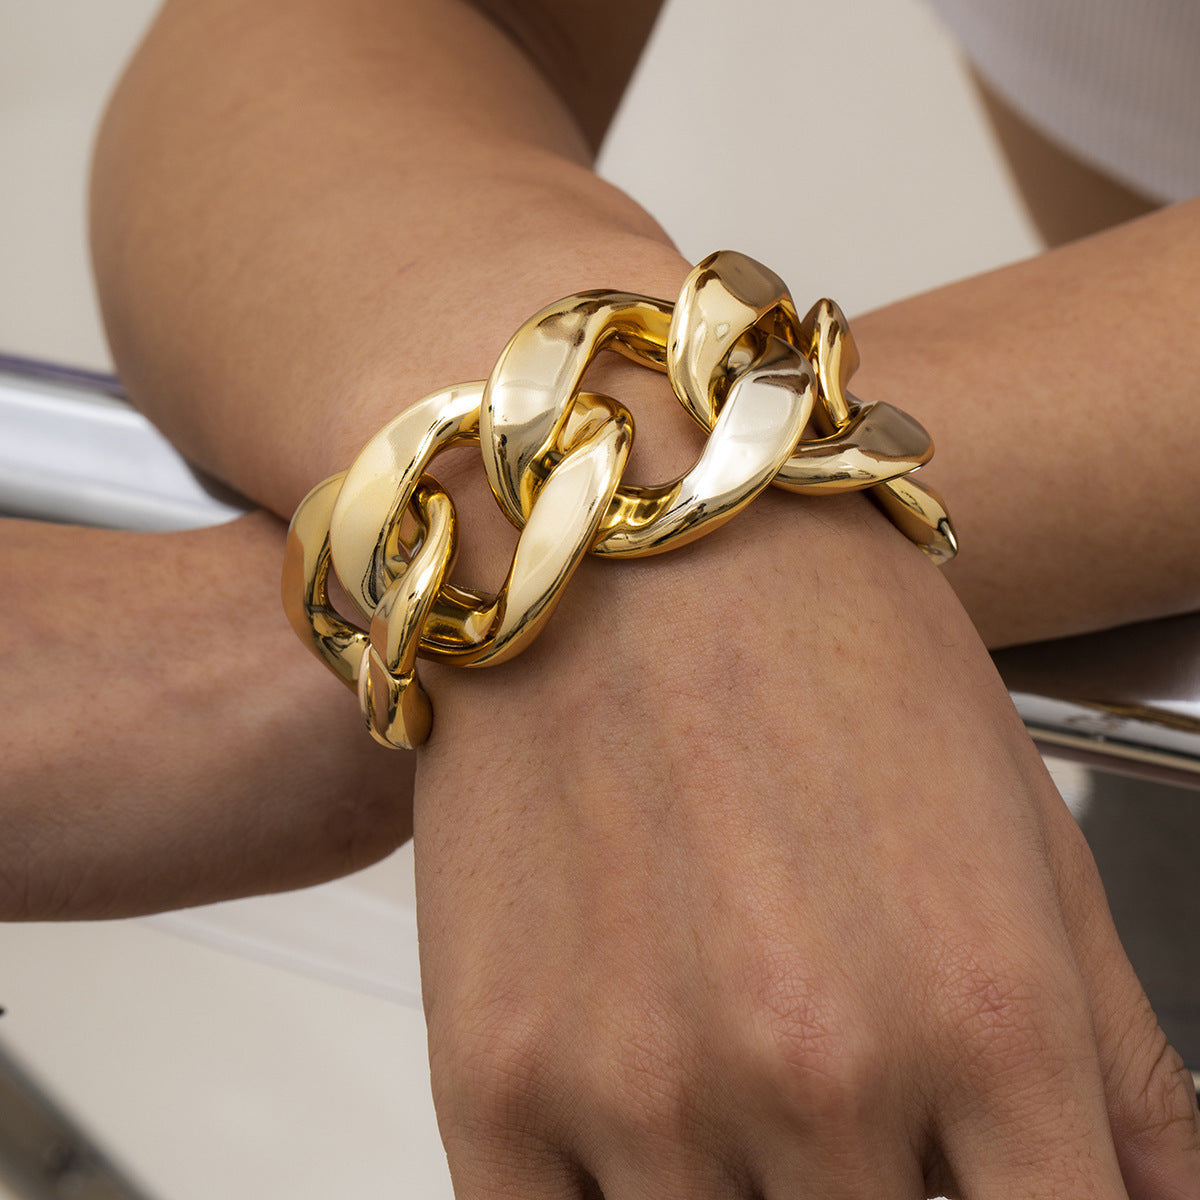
[
  {"x": 163, "y": 744},
  {"x": 353, "y": 209},
  {"x": 636, "y": 960}
]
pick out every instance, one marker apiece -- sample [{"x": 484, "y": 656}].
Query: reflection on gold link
[
  {"x": 741, "y": 361},
  {"x": 306, "y": 561}
]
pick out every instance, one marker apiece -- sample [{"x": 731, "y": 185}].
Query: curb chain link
[{"x": 747, "y": 368}]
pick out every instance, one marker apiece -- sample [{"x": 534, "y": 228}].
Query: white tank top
[{"x": 1115, "y": 81}]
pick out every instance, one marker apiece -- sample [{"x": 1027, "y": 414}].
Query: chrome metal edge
[{"x": 72, "y": 450}]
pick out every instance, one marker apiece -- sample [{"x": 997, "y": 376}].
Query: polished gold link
[
  {"x": 864, "y": 444},
  {"x": 379, "y": 486},
  {"x": 825, "y": 337},
  {"x": 528, "y": 396},
  {"x": 725, "y": 297},
  {"x": 920, "y": 514},
  {"x": 395, "y": 705},
  {"x": 878, "y": 443},
  {"x": 467, "y": 627},
  {"x": 768, "y": 406},
  {"x": 873, "y": 446},
  {"x": 305, "y": 586},
  {"x": 744, "y": 365},
  {"x": 559, "y": 532}
]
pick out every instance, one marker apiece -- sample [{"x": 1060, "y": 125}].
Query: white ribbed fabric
[{"x": 1115, "y": 81}]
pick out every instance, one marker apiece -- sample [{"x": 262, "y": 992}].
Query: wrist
[
  {"x": 410, "y": 358},
  {"x": 793, "y": 585},
  {"x": 556, "y": 454}
]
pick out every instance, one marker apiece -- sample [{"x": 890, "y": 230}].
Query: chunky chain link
[{"x": 742, "y": 362}]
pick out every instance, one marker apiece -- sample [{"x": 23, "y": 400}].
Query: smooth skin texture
[
  {"x": 745, "y": 881},
  {"x": 162, "y": 744}
]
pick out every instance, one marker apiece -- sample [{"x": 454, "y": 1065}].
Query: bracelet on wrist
[{"x": 769, "y": 387}]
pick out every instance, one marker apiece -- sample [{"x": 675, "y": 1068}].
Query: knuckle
[
  {"x": 640, "y": 1080},
  {"x": 659, "y": 1108},
  {"x": 1007, "y": 1016},
  {"x": 814, "y": 1052},
  {"x": 488, "y": 1067}
]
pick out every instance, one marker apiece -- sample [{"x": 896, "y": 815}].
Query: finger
[
  {"x": 1054, "y": 1142},
  {"x": 651, "y": 1136},
  {"x": 836, "y": 1119},
  {"x": 837, "y": 1133},
  {"x": 672, "y": 1177},
  {"x": 500, "y": 1110},
  {"x": 510, "y": 1169},
  {"x": 823, "y": 1169},
  {"x": 1029, "y": 1088},
  {"x": 1150, "y": 1094}
]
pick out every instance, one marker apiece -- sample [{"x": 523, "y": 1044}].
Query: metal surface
[
  {"x": 1148, "y": 742},
  {"x": 44, "y": 1154},
  {"x": 752, "y": 374},
  {"x": 1117, "y": 717},
  {"x": 72, "y": 450},
  {"x": 1126, "y": 698},
  {"x": 1145, "y": 836}
]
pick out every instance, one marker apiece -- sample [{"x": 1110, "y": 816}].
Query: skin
[
  {"x": 1066, "y": 197},
  {"x": 744, "y": 880},
  {"x": 138, "y": 747}
]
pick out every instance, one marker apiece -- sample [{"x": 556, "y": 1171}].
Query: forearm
[
  {"x": 307, "y": 216},
  {"x": 170, "y": 743},
  {"x": 375, "y": 195},
  {"x": 1062, "y": 395}
]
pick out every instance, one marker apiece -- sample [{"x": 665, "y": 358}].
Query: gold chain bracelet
[{"x": 739, "y": 359}]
